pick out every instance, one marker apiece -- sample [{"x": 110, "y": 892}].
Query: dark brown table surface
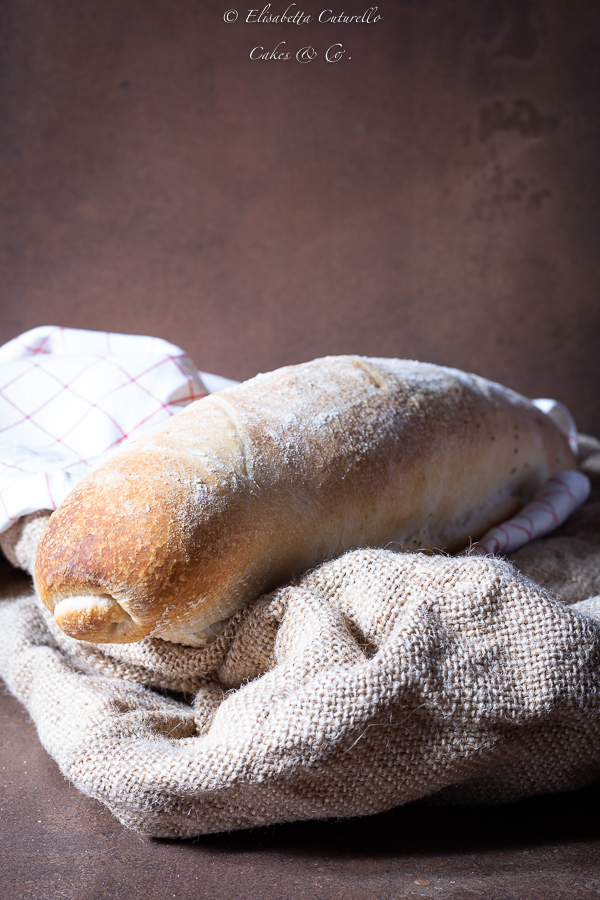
[{"x": 56, "y": 843}]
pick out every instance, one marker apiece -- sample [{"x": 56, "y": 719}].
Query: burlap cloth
[{"x": 377, "y": 679}]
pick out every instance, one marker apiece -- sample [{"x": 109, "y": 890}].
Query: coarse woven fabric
[{"x": 377, "y": 679}]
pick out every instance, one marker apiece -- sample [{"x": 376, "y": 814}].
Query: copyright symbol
[
  {"x": 306, "y": 54},
  {"x": 231, "y": 15}
]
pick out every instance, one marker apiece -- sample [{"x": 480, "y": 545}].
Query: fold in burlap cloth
[{"x": 374, "y": 680}]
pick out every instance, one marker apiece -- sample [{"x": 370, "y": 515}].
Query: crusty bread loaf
[{"x": 249, "y": 487}]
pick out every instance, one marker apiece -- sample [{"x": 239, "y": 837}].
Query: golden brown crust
[{"x": 244, "y": 489}]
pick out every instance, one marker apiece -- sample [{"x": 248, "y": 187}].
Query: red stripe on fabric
[
  {"x": 52, "y": 501},
  {"x": 35, "y": 350}
]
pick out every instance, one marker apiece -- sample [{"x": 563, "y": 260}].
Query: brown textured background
[{"x": 435, "y": 196}]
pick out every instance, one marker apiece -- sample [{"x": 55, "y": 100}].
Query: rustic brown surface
[{"x": 435, "y": 196}]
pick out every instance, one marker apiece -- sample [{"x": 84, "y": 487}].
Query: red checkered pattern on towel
[
  {"x": 68, "y": 397},
  {"x": 559, "y": 497}
]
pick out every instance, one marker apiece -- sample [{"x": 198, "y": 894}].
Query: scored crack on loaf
[{"x": 245, "y": 489}]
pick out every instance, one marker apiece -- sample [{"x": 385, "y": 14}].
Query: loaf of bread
[{"x": 249, "y": 487}]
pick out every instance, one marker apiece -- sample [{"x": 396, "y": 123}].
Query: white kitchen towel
[
  {"x": 559, "y": 497},
  {"x": 68, "y": 397}
]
